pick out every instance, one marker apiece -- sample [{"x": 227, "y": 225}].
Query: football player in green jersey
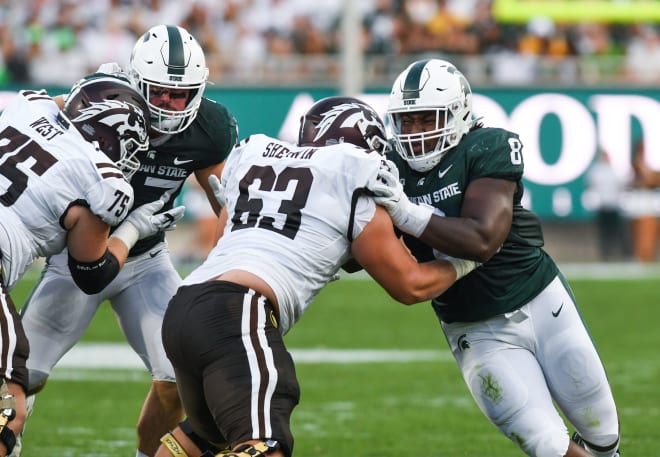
[{"x": 454, "y": 188}]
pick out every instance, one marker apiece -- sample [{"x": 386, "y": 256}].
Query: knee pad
[{"x": 36, "y": 381}]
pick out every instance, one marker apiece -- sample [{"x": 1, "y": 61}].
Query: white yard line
[{"x": 119, "y": 356}]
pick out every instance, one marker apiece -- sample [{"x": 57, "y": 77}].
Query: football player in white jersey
[
  {"x": 295, "y": 214},
  {"x": 189, "y": 134},
  {"x": 63, "y": 183}
]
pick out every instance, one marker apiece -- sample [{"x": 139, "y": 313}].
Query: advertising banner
[{"x": 562, "y": 132}]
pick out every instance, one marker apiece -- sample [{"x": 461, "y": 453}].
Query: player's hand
[
  {"x": 7, "y": 404},
  {"x": 388, "y": 192},
  {"x": 147, "y": 222},
  {"x": 110, "y": 68},
  {"x": 387, "y": 185},
  {"x": 143, "y": 222},
  {"x": 218, "y": 190}
]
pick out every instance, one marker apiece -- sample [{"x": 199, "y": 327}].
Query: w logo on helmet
[
  {"x": 353, "y": 114},
  {"x": 334, "y": 120},
  {"x": 125, "y": 118},
  {"x": 109, "y": 112}
]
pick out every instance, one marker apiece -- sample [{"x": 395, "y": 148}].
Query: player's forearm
[
  {"x": 429, "y": 279},
  {"x": 460, "y": 237},
  {"x": 118, "y": 249}
]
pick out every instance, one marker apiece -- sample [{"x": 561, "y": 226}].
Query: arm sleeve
[{"x": 93, "y": 277}]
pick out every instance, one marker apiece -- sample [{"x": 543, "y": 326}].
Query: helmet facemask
[
  {"x": 171, "y": 121},
  {"x": 424, "y": 150},
  {"x": 129, "y": 162},
  {"x": 430, "y": 87}
]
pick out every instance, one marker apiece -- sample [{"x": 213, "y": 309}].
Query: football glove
[
  {"x": 110, "y": 68},
  {"x": 7, "y": 413},
  {"x": 7, "y": 404},
  {"x": 143, "y": 222},
  {"x": 388, "y": 192},
  {"x": 218, "y": 190}
]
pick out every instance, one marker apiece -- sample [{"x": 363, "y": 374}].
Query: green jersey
[
  {"x": 521, "y": 268},
  {"x": 165, "y": 167}
]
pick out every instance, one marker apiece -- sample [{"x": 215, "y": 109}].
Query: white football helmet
[
  {"x": 170, "y": 57},
  {"x": 431, "y": 85}
]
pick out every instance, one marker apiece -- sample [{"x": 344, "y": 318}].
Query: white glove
[
  {"x": 462, "y": 266},
  {"x": 218, "y": 190},
  {"x": 110, "y": 68},
  {"x": 143, "y": 222},
  {"x": 388, "y": 192}
]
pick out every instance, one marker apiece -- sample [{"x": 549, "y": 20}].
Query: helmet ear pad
[{"x": 307, "y": 132}]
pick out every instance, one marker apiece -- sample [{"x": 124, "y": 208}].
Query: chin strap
[{"x": 7, "y": 413}]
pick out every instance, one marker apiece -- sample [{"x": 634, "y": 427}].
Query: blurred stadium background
[{"x": 572, "y": 77}]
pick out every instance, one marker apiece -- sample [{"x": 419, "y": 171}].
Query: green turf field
[{"x": 370, "y": 408}]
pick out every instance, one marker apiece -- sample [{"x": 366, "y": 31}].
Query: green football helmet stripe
[
  {"x": 411, "y": 86},
  {"x": 176, "y": 64}
]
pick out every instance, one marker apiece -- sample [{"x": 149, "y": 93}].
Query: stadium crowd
[{"x": 297, "y": 41}]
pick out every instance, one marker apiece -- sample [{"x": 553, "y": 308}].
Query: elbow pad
[{"x": 93, "y": 277}]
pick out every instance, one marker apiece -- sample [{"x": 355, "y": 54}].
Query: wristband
[
  {"x": 462, "y": 266},
  {"x": 127, "y": 233},
  {"x": 415, "y": 219}
]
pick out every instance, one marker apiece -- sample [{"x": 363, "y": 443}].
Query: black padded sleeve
[{"x": 93, "y": 277}]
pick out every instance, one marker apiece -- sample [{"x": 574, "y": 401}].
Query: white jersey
[
  {"x": 292, "y": 214},
  {"x": 45, "y": 167}
]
